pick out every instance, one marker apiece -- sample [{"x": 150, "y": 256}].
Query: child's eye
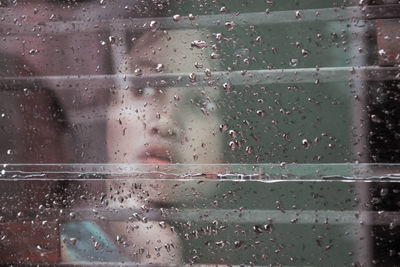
[
  {"x": 210, "y": 105},
  {"x": 147, "y": 91}
]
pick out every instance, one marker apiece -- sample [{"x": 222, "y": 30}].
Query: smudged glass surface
[{"x": 199, "y": 132}]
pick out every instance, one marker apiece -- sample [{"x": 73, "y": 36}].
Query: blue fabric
[{"x": 85, "y": 249}]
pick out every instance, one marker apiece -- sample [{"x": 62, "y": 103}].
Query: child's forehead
[{"x": 175, "y": 49}]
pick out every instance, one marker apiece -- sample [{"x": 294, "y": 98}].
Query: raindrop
[
  {"x": 198, "y": 65},
  {"x": 33, "y": 51},
  {"x": 268, "y": 228},
  {"x": 160, "y": 67},
  {"x": 232, "y": 133},
  {"x": 176, "y": 17},
  {"x": 191, "y": 16},
  {"x": 237, "y": 244},
  {"x": 153, "y": 25},
  {"x": 138, "y": 72},
  {"x": 223, "y": 9},
  {"x": 215, "y": 55},
  {"x": 259, "y": 39},
  {"x": 111, "y": 39},
  {"x": 232, "y": 145},
  {"x": 97, "y": 245},
  {"x": 9, "y": 152},
  {"x": 207, "y": 72},
  {"x": 218, "y": 36},
  {"x": 249, "y": 149},
  {"x": 230, "y": 25},
  {"x": 192, "y": 77},
  {"x": 220, "y": 244},
  {"x": 199, "y": 44},
  {"x": 227, "y": 87},
  {"x": 257, "y": 229},
  {"x": 293, "y": 62},
  {"x": 260, "y": 113},
  {"x": 299, "y": 15},
  {"x": 223, "y": 128},
  {"x": 195, "y": 157},
  {"x": 162, "y": 224},
  {"x": 305, "y": 143},
  {"x": 305, "y": 52}
]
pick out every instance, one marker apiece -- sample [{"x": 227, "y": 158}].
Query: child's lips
[
  {"x": 156, "y": 155},
  {"x": 154, "y": 160}
]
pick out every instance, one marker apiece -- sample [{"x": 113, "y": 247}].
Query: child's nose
[{"x": 166, "y": 121}]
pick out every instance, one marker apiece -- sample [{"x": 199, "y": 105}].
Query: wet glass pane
[{"x": 199, "y": 132}]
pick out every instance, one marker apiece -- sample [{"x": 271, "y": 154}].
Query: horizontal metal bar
[
  {"x": 204, "y": 21},
  {"x": 267, "y": 172},
  {"x": 224, "y": 216},
  {"x": 252, "y": 77}
]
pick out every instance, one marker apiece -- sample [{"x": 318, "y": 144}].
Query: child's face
[{"x": 165, "y": 125}]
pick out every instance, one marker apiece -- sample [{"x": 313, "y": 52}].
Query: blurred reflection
[{"x": 33, "y": 123}]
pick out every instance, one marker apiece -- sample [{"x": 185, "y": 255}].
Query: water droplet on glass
[
  {"x": 232, "y": 145},
  {"x": 259, "y": 39},
  {"x": 249, "y": 149},
  {"x": 293, "y": 62},
  {"x": 299, "y": 15},
  {"x": 160, "y": 67},
  {"x": 33, "y": 51},
  {"x": 195, "y": 157},
  {"x": 260, "y": 113},
  {"x": 305, "y": 143},
  {"x": 9, "y": 152},
  {"x": 138, "y": 72},
  {"x": 153, "y": 25},
  {"x": 227, "y": 87},
  {"x": 218, "y": 36},
  {"x": 192, "y": 77},
  {"x": 232, "y": 133},
  {"x": 176, "y": 17},
  {"x": 215, "y": 55},
  {"x": 230, "y": 25},
  {"x": 305, "y": 52},
  {"x": 207, "y": 72},
  {"x": 223, "y": 128},
  {"x": 162, "y": 224},
  {"x": 223, "y": 9},
  {"x": 199, "y": 44},
  {"x": 257, "y": 229},
  {"x": 191, "y": 16},
  {"x": 111, "y": 39},
  {"x": 220, "y": 244}
]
